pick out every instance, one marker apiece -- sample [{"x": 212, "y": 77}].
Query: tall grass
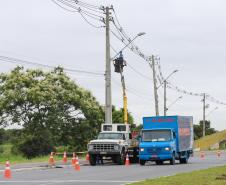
[{"x": 206, "y": 142}]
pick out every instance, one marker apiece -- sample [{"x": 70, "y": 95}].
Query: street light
[
  {"x": 173, "y": 103},
  {"x": 138, "y": 35},
  {"x": 165, "y": 82},
  {"x": 212, "y": 111}
]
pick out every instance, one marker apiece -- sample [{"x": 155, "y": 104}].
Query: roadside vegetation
[
  {"x": 210, "y": 140},
  {"x": 48, "y": 110},
  {"x": 211, "y": 176}
]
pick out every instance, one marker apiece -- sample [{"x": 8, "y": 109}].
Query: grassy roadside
[
  {"x": 211, "y": 176},
  {"x": 6, "y": 154}
]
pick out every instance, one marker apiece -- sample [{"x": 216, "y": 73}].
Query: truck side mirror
[
  {"x": 130, "y": 136},
  {"x": 174, "y": 135}
]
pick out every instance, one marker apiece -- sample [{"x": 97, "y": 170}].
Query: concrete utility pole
[
  {"x": 108, "y": 104},
  {"x": 165, "y": 108},
  {"x": 204, "y": 115},
  {"x": 155, "y": 87}
]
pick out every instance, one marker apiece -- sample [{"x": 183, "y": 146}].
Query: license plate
[
  {"x": 154, "y": 156},
  {"x": 103, "y": 152}
]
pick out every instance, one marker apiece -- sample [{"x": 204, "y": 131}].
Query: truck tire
[
  {"x": 158, "y": 162},
  {"x": 142, "y": 162},
  {"x": 172, "y": 161},
  {"x": 185, "y": 159},
  {"x": 92, "y": 160},
  {"x": 121, "y": 158}
]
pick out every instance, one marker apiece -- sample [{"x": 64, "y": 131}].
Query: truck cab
[
  {"x": 112, "y": 142},
  {"x": 157, "y": 145}
]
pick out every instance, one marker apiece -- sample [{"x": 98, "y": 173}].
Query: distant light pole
[
  {"x": 211, "y": 111},
  {"x": 173, "y": 103},
  {"x": 165, "y": 82}
]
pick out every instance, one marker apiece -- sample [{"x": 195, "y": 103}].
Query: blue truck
[{"x": 166, "y": 138}]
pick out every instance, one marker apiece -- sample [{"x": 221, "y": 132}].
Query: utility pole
[
  {"x": 108, "y": 104},
  {"x": 204, "y": 115},
  {"x": 155, "y": 87},
  {"x": 165, "y": 108}
]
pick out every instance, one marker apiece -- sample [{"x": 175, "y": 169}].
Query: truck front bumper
[
  {"x": 104, "y": 153},
  {"x": 155, "y": 157}
]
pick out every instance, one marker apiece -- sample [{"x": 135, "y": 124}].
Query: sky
[{"x": 187, "y": 35}]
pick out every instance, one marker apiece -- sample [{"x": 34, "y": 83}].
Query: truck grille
[
  {"x": 154, "y": 150},
  {"x": 103, "y": 147}
]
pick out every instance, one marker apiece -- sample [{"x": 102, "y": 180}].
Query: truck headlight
[
  {"x": 116, "y": 147},
  {"x": 90, "y": 147},
  {"x": 167, "y": 149},
  {"x": 141, "y": 149}
]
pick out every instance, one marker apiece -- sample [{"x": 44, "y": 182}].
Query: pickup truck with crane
[{"x": 114, "y": 142}]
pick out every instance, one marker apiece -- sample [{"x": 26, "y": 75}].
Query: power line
[
  {"x": 19, "y": 61},
  {"x": 73, "y": 5}
]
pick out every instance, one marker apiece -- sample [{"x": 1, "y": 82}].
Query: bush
[{"x": 34, "y": 145}]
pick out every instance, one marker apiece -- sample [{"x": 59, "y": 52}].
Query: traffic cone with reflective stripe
[
  {"x": 87, "y": 157},
  {"x": 73, "y": 160},
  {"x": 51, "y": 159},
  {"x": 65, "y": 158},
  {"x": 77, "y": 165},
  {"x": 7, "y": 172},
  {"x": 127, "y": 163}
]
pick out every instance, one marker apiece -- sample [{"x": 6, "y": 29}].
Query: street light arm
[
  {"x": 138, "y": 35},
  {"x": 174, "y": 102},
  {"x": 168, "y": 77}
]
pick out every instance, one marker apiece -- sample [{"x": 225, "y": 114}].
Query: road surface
[{"x": 37, "y": 174}]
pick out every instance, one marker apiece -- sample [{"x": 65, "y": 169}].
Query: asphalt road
[{"x": 33, "y": 174}]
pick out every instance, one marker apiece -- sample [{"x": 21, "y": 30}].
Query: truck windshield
[
  {"x": 156, "y": 135},
  {"x": 111, "y": 136}
]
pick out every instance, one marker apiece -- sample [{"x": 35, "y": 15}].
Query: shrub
[{"x": 34, "y": 145}]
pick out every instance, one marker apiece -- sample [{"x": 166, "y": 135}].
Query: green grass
[
  {"x": 206, "y": 142},
  {"x": 211, "y": 176},
  {"x": 6, "y": 154}
]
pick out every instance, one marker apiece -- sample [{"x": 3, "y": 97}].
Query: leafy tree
[
  {"x": 50, "y": 101},
  {"x": 118, "y": 116},
  {"x": 198, "y": 129}
]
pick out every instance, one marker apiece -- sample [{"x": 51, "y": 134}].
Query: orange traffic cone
[
  {"x": 127, "y": 163},
  {"x": 51, "y": 159},
  {"x": 73, "y": 160},
  {"x": 7, "y": 173},
  {"x": 77, "y": 165},
  {"x": 65, "y": 157},
  {"x": 87, "y": 157},
  {"x": 202, "y": 155},
  {"x": 218, "y": 153}
]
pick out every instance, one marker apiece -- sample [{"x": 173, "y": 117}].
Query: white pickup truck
[{"x": 113, "y": 142}]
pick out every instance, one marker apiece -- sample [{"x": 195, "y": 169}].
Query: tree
[
  {"x": 118, "y": 116},
  {"x": 39, "y": 100},
  {"x": 198, "y": 129}
]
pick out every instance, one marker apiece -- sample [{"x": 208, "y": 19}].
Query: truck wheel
[
  {"x": 92, "y": 160},
  {"x": 142, "y": 162},
  {"x": 159, "y": 162},
  {"x": 184, "y": 160},
  {"x": 121, "y": 159},
  {"x": 172, "y": 161}
]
